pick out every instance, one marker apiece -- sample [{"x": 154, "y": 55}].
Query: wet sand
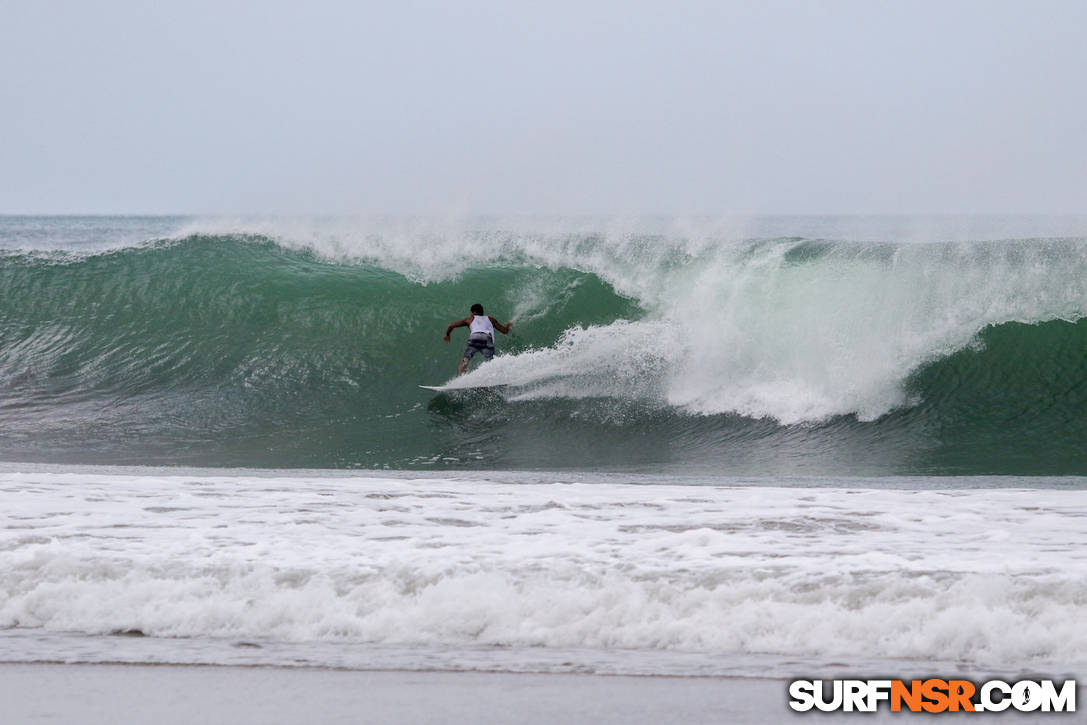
[
  {"x": 166, "y": 694},
  {"x": 106, "y": 694}
]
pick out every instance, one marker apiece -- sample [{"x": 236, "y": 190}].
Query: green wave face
[
  {"x": 1016, "y": 403},
  {"x": 780, "y": 357},
  {"x": 240, "y": 352}
]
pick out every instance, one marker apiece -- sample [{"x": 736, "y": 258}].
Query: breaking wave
[{"x": 258, "y": 347}]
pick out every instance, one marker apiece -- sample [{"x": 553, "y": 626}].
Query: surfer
[{"x": 481, "y": 329}]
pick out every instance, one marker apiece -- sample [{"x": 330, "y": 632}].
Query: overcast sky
[{"x": 621, "y": 107}]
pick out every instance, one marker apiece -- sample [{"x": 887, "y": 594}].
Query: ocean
[{"x": 734, "y": 447}]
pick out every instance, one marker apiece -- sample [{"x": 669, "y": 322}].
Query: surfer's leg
[{"x": 469, "y": 351}]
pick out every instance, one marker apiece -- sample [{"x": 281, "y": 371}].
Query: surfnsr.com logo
[{"x": 932, "y": 695}]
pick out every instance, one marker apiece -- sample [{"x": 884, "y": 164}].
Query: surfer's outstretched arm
[
  {"x": 504, "y": 329},
  {"x": 459, "y": 323}
]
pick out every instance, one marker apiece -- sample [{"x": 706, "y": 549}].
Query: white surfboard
[{"x": 461, "y": 388}]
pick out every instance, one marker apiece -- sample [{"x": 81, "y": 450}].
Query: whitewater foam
[
  {"x": 800, "y": 332},
  {"x": 990, "y": 577}
]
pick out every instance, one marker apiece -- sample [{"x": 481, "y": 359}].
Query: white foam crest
[
  {"x": 992, "y": 576},
  {"x": 429, "y": 249},
  {"x": 840, "y": 332},
  {"x": 754, "y": 330},
  {"x": 586, "y": 361}
]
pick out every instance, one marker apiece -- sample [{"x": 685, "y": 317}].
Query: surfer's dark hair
[{"x": 477, "y": 309}]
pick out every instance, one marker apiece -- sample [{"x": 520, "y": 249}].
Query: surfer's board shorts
[{"x": 479, "y": 342}]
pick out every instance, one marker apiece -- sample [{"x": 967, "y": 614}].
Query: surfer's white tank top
[{"x": 482, "y": 323}]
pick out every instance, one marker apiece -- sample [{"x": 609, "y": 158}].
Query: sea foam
[{"x": 991, "y": 577}]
